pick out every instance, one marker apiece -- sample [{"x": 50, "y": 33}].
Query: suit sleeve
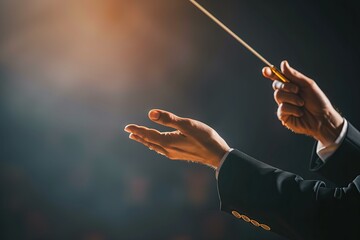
[
  {"x": 285, "y": 203},
  {"x": 344, "y": 165}
]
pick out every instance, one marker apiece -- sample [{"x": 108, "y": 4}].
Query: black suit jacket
[{"x": 285, "y": 203}]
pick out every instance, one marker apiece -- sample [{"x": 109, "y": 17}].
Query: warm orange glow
[{"x": 102, "y": 46}]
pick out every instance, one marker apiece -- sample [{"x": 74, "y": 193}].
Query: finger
[
  {"x": 266, "y": 71},
  {"x": 150, "y": 145},
  {"x": 148, "y": 134},
  {"x": 170, "y": 120},
  {"x": 287, "y": 87},
  {"x": 295, "y": 76},
  {"x": 285, "y": 97},
  {"x": 285, "y": 110}
]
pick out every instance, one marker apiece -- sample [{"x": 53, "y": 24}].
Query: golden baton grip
[{"x": 279, "y": 74}]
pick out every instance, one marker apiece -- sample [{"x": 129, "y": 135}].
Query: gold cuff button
[
  {"x": 265, "y": 227},
  {"x": 245, "y": 218},
  {"x": 255, "y": 223},
  {"x": 236, "y": 214}
]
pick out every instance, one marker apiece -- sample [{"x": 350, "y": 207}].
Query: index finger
[
  {"x": 266, "y": 71},
  {"x": 169, "y": 119},
  {"x": 277, "y": 83},
  {"x": 148, "y": 134}
]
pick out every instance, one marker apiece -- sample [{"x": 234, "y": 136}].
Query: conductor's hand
[
  {"x": 303, "y": 107},
  {"x": 192, "y": 140}
]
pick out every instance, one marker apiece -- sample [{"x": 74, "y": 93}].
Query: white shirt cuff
[
  {"x": 222, "y": 161},
  {"x": 324, "y": 152}
]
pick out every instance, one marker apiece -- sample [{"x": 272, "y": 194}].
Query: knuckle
[
  {"x": 279, "y": 113},
  {"x": 276, "y": 93},
  {"x": 161, "y": 153},
  {"x": 295, "y": 73},
  {"x": 293, "y": 99},
  {"x": 282, "y": 117},
  {"x": 277, "y": 96},
  {"x": 211, "y": 134},
  {"x": 165, "y": 117},
  {"x": 145, "y": 136},
  {"x": 289, "y": 87},
  {"x": 293, "y": 88},
  {"x": 281, "y": 107},
  {"x": 186, "y": 123},
  {"x": 312, "y": 83},
  {"x": 146, "y": 144},
  {"x": 300, "y": 102},
  {"x": 151, "y": 147}
]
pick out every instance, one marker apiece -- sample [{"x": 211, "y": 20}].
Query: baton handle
[{"x": 279, "y": 74}]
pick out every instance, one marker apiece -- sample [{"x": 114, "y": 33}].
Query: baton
[{"x": 276, "y": 71}]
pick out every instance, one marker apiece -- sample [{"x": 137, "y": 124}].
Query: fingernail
[
  {"x": 126, "y": 129},
  {"x": 279, "y": 85},
  {"x": 267, "y": 71},
  {"x": 154, "y": 115}
]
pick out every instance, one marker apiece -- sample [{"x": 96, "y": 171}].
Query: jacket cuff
[{"x": 344, "y": 164}]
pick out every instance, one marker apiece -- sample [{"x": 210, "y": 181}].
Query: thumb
[
  {"x": 168, "y": 119},
  {"x": 295, "y": 76},
  {"x": 154, "y": 115}
]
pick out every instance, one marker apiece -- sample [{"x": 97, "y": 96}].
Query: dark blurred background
[{"x": 73, "y": 73}]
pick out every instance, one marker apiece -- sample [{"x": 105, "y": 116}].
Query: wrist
[
  {"x": 330, "y": 128},
  {"x": 218, "y": 159}
]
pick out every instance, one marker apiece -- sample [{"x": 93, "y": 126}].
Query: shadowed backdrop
[{"x": 73, "y": 73}]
